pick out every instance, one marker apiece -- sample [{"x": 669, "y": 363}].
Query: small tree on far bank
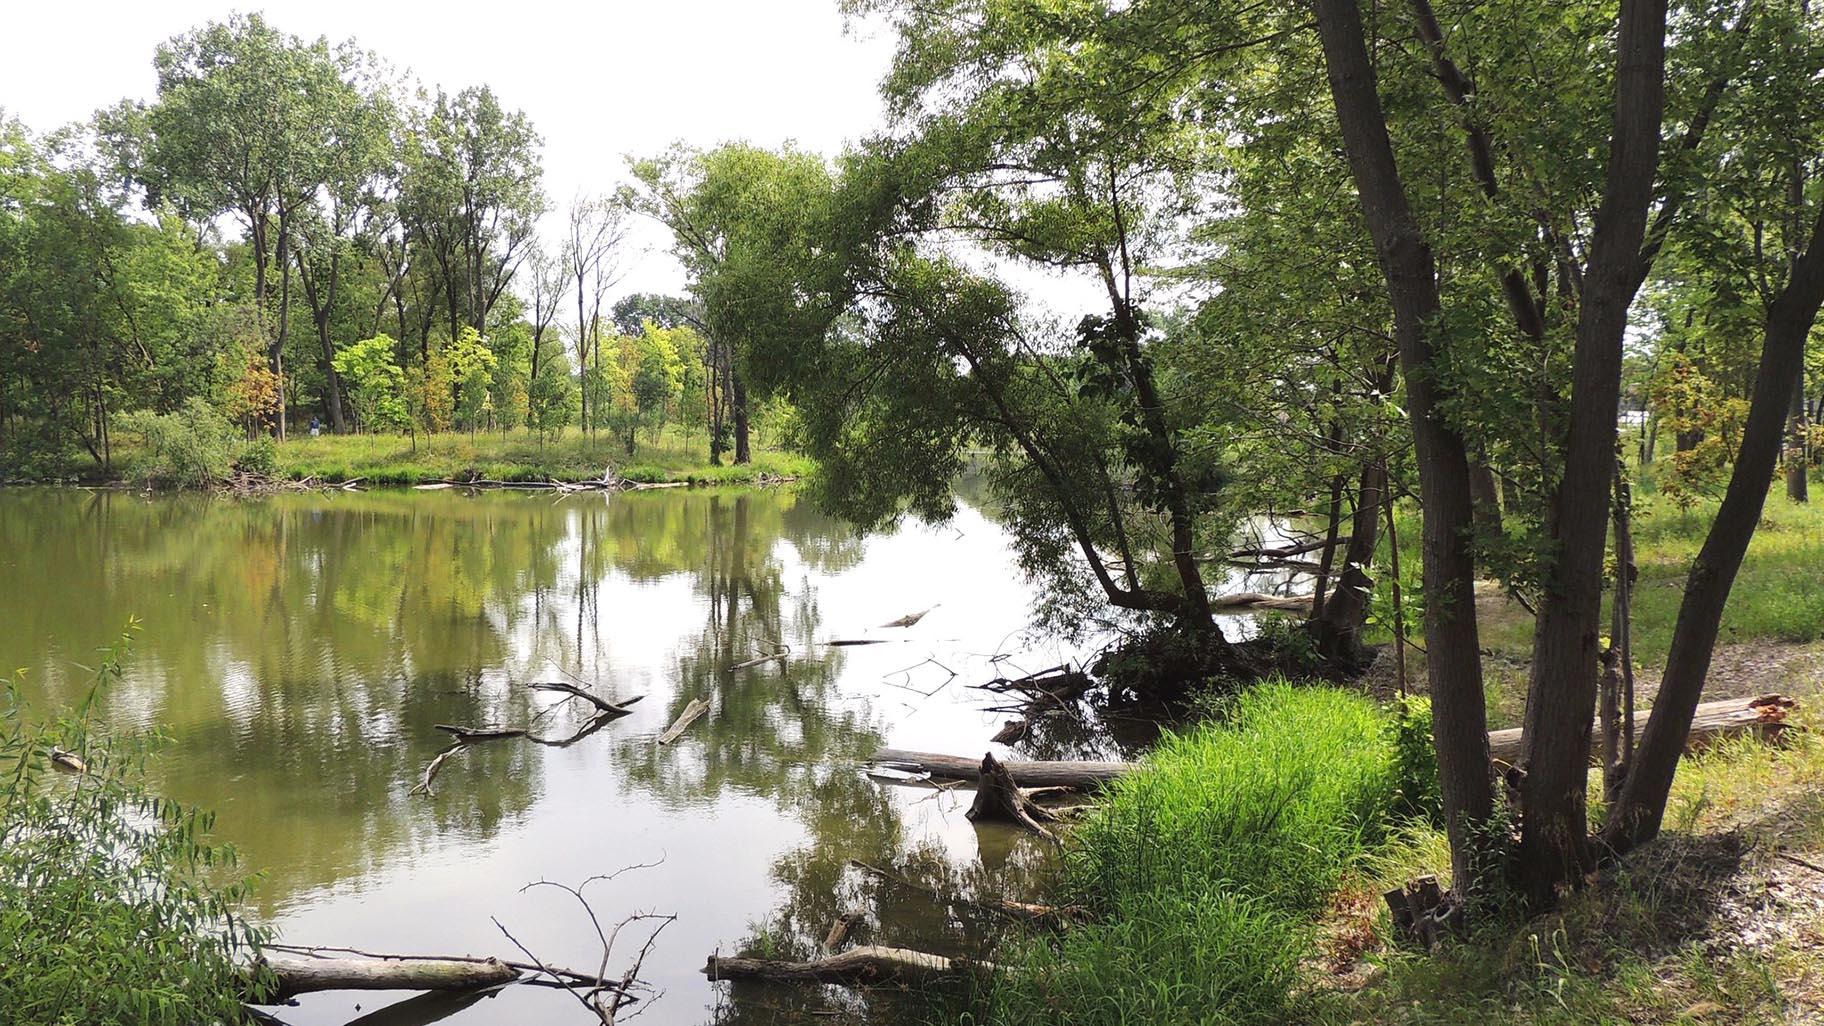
[{"x": 376, "y": 384}]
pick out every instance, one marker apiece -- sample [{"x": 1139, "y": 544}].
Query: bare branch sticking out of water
[
  {"x": 906, "y": 674},
  {"x": 607, "y": 713},
  {"x": 603, "y": 997},
  {"x": 783, "y": 650}
]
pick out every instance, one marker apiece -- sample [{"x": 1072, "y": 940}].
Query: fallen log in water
[
  {"x": 303, "y": 974},
  {"x": 304, "y": 970},
  {"x": 1730, "y": 717},
  {"x": 1082, "y": 776},
  {"x": 867, "y": 964},
  {"x": 696, "y": 708}
]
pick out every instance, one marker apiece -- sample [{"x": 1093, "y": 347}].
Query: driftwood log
[
  {"x": 866, "y": 964},
  {"x": 300, "y": 974},
  {"x": 1261, "y": 600},
  {"x": 696, "y": 708},
  {"x": 1764, "y": 716},
  {"x": 1082, "y": 776},
  {"x": 1729, "y": 717}
]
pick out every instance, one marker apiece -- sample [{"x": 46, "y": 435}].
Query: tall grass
[{"x": 1205, "y": 870}]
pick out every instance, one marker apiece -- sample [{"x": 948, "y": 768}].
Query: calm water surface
[{"x": 300, "y": 649}]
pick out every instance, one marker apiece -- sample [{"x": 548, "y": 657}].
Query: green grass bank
[
  {"x": 521, "y": 456},
  {"x": 1236, "y": 880}
]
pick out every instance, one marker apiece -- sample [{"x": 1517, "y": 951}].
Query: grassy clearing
[
  {"x": 520, "y": 456},
  {"x": 1775, "y": 598}
]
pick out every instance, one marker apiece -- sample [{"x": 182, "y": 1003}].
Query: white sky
[{"x": 600, "y": 81}]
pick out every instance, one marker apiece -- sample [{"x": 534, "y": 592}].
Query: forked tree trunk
[
  {"x": 1636, "y": 818},
  {"x": 1455, "y": 666},
  {"x": 1561, "y": 691}
]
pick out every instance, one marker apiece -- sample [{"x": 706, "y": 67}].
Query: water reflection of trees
[
  {"x": 772, "y": 728},
  {"x": 924, "y": 899},
  {"x": 300, "y": 649}
]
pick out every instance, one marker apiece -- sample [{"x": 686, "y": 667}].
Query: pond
[{"x": 300, "y": 651}]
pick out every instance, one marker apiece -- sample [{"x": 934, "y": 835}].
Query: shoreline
[{"x": 485, "y": 462}]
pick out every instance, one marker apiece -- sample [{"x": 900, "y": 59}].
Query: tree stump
[{"x": 997, "y": 797}]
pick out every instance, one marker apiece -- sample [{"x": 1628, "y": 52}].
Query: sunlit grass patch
[
  {"x": 1650, "y": 941},
  {"x": 1207, "y": 869},
  {"x": 674, "y": 455}
]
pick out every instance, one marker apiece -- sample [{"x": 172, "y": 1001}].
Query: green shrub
[
  {"x": 259, "y": 456},
  {"x": 107, "y": 910},
  {"x": 32, "y": 450},
  {"x": 1418, "y": 792},
  {"x": 192, "y": 448}
]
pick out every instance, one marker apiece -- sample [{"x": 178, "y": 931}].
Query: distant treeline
[{"x": 291, "y": 233}]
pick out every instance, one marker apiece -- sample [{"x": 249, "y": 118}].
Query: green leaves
[{"x": 109, "y": 909}]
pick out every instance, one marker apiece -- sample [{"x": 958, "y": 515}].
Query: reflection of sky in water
[{"x": 302, "y": 649}]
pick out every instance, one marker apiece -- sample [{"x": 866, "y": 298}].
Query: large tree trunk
[
  {"x": 1636, "y": 818},
  {"x": 1454, "y": 666},
  {"x": 1561, "y": 691},
  {"x": 283, "y": 256},
  {"x": 1165, "y": 459},
  {"x": 1485, "y": 490},
  {"x": 321, "y": 308}
]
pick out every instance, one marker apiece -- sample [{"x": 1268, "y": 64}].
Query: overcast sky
[{"x": 599, "y": 80}]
